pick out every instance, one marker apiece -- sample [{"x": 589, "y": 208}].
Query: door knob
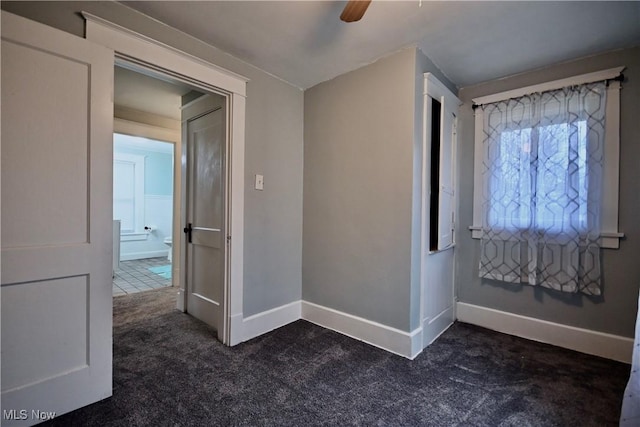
[{"x": 188, "y": 229}]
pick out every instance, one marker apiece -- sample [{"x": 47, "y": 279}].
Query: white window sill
[
  {"x": 130, "y": 237},
  {"x": 608, "y": 240},
  {"x": 437, "y": 251}
]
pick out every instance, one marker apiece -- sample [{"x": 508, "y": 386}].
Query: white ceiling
[{"x": 305, "y": 43}]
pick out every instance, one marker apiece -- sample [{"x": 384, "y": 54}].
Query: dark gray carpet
[{"x": 169, "y": 370}]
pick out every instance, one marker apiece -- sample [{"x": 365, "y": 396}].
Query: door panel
[
  {"x": 205, "y": 267},
  {"x": 56, "y": 220},
  {"x": 447, "y": 168},
  {"x": 22, "y": 362},
  {"x": 205, "y": 261},
  {"x": 206, "y": 147},
  {"x": 60, "y": 174}
]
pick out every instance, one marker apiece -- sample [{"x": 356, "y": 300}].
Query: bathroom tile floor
[{"x": 135, "y": 276}]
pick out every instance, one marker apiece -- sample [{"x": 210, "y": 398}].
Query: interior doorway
[
  {"x": 135, "y": 51},
  {"x": 146, "y": 187},
  {"x": 143, "y": 188},
  {"x": 171, "y": 171}
]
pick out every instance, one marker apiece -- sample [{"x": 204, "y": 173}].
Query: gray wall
[
  {"x": 357, "y": 191},
  {"x": 615, "y": 311},
  {"x": 361, "y": 134},
  {"x": 274, "y": 148}
]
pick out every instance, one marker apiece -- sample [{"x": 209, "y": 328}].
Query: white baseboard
[
  {"x": 410, "y": 344},
  {"x": 265, "y": 321},
  {"x": 406, "y": 344},
  {"x": 583, "y": 340},
  {"x": 142, "y": 255},
  {"x": 433, "y": 328},
  {"x": 237, "y": 333}
]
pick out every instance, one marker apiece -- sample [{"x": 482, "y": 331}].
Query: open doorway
[
  {"x": 145, "y": 180},
  {"x": 170, "y": 191},
  {"x": 142, "y": 213},
  {"x": 141, "y": 53}
]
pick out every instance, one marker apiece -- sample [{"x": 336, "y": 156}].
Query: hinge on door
[{"x": 228, "y": 239}]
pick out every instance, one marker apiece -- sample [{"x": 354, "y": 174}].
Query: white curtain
[{"x": 542, "y": 183}]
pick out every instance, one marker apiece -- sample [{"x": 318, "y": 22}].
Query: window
[
  {"x": 538, "y": 184},
  {"x": 128, "y": 192},
  {"x": 546, "y": 194}
]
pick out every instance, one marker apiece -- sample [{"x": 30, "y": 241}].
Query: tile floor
[{"x": 135, "y": 276}]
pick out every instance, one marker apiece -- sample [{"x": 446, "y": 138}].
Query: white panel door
[
  {"x": 437, "y": 269},
  {"x": 446, "y": 205},
  {"x": 206, "y": 211},
  {"x": 56, "y": 221}
]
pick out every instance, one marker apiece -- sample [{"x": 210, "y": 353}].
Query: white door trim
[
  {"x": 140, "y": 47},
  {"x": 137, "y": 48}
]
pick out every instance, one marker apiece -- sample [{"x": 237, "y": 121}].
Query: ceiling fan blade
[{"x": 354, "y": 10}]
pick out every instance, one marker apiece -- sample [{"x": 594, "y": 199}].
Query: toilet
[{"x": 167, "y": 241}]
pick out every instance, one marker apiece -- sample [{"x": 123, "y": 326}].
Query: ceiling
[
  {"x": 305, "y": 43},
  {"x": 144, "y": 93}
]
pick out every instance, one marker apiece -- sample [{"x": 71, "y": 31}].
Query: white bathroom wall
[{"x": 158, "y": 213}]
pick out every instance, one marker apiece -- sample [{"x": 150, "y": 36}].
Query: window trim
[
  {"x": 610, "y": 235},
  {"x": 137, "y": 161}
]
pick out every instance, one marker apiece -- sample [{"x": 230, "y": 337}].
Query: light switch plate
[{"x": 259, "y": 182}]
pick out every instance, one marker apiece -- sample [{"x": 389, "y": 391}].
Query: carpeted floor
[{"x": 170, "y": 371}]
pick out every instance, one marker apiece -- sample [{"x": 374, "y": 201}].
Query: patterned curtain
[{"x": 542, "y": 183}]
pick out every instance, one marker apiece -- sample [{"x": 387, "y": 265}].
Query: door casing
[{"x": 143, "y": 52}]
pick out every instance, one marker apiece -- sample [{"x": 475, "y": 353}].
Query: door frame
[{"x": 135, "y": 48}]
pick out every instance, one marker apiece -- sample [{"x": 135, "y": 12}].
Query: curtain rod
[{"x": 618, "y": 78}]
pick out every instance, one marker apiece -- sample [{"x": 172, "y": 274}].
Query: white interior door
[
  {"x": 56, "y": 221},
  {"x": 205, "y": 228},
  {"x": 437, "y": 275},
  {"x": 446, "y": 205}
]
